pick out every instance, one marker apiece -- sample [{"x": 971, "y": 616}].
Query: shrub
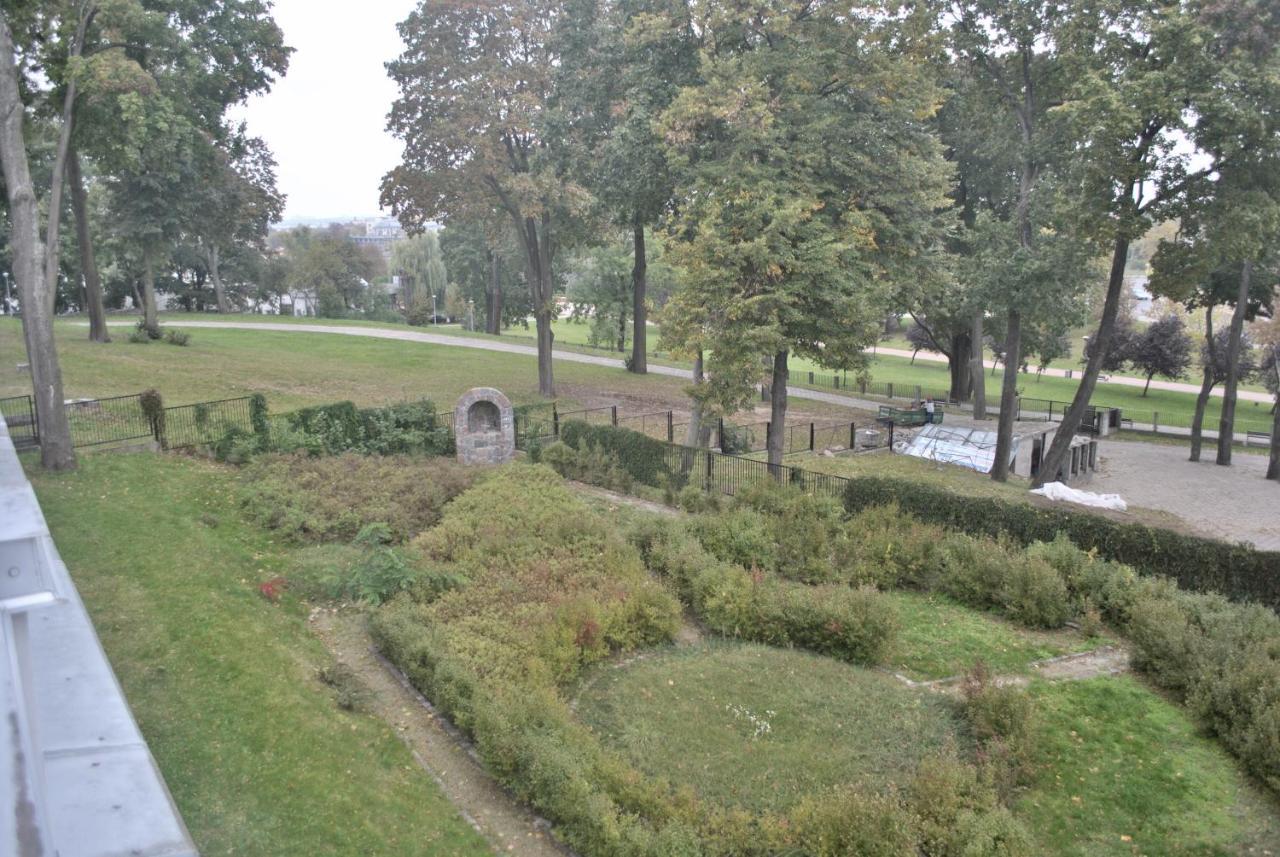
[
  {"x": 592, "y": 465},
  {"x": 1035, "y": 594},
  {"x": 694, "y": 500},
  {"x": 883, "y": 547},
  {"x": 1003, "y": 720},
  {"x": 177, "y": 337},
  {"x": 853, "y": 821},
  {"x": 331, "y": 499},
  {"x": 640, "y": 455},
  {"x": 139, "y": 337},
  {"x": 1199, "y": 564}
]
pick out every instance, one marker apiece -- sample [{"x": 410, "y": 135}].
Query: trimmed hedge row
[
  {"x": 1206, "y": 565},
  {"x": 642, "y": 456}
]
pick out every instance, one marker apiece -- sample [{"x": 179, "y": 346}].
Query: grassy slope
[
  {"x": 1116, "y": 760},
  {"x": 258, "y": 756},
  {"x": 671, "y": 713},
  {"x": 940, "y": 638}
]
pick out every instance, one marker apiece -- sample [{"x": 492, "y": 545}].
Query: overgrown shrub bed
[
  {"x": 551, "y": 587},
  {"x": 323, "y": 499}
]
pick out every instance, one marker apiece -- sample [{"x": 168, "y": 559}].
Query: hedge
[
  {"x": 1206, "y": 565},
  {"x": 642, "y": 456}
]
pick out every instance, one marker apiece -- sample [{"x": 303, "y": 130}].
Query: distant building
[{"x": 381, "y": 234}]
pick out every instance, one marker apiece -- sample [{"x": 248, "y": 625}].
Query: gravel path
[{"x": 1234, "y": 503}]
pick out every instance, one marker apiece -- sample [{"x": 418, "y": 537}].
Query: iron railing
[
  {"x": 20, "y": 416},
  {"x": 117, "y": 419},
  {"x": 203, "y": 423}
]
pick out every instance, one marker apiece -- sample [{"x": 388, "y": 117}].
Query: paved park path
[{"x": 1122, "y": 380}]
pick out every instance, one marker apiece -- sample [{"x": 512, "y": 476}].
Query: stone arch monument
[{"x": 484, "y": 425}]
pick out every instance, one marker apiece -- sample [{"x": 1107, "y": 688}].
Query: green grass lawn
[
  {"x": 686, "y": 714},
  {"x": 940, "y": 638},
  {"x": 256, "y": 752},
  {"x": 298, "y": 369},
  {"x": 952, "y": 477},
  {"x": 1115, "y": 760}
]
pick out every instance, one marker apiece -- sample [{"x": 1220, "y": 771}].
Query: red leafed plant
[{"x": 273, "y": 588}]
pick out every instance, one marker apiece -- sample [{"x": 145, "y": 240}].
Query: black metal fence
[
  {"x": 202, "y": 424},
  {"x": 715, "y": 472},
  {"x": 20, "y": 416},
  {"x": 117, "y": 419}
]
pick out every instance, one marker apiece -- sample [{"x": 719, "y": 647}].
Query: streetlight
[
  {"x": 8, "y": 299},
  {"x": 433, "y": 307}
]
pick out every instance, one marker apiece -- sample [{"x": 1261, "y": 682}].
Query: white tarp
[
  {"x": 968, "y": 447},
  {"x": 1058, "y": 491}
]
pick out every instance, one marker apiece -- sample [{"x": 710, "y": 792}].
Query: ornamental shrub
[
  {"x": 1197, "y": 564},
  {"x": 640, "y": 455}
]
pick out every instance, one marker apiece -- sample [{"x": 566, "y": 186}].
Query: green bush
[
  {"x": 883, "y": 547},
  {"x": 1003, "y": 721},
  {"x": 177, "y": 337},
  {"x": 853, "y": 821},
  {"x": 413, "y": 427},
  {"x": 857, "y": 625},
  {"x": 591, "y": 464},
  {"x": 640, "y": 455},
  {"x": 1197, "y": 564},
  {"x": 309, "y": 499}
]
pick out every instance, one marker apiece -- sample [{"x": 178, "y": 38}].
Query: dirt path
[
  {"x": 1104, "y": 661},
  {"x": 508, "y": 826}
]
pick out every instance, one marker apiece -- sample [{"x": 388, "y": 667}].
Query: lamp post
[
  {"x": 8, "y": 298},
  {"x": 433, "y": 307}
]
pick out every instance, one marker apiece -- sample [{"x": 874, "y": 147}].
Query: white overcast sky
[{"x": 326, "y": 119}]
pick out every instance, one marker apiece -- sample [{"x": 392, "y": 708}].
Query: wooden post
[
  {"x": 811, "y": 437},
  {"x": 555, "y": 420},
  {"x": 613, "y": 415},
  {"x": 671, "y": 429},
  {"x": 853, "y": 435}
]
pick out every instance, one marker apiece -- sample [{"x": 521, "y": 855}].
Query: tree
[
  {"x": 794, "y": 218},
  {"x": 1022, "y": 260},
  {"x": 331, "y": 271},
  {"x": 474, "y": 112},
  {"x": 1146, "y": 79},
  {"x": 483, "y": 262},
  {"x": 622, "y": 65},
  {"x": 1164, "y": 349},
  {"x": 1269, "y": 371},
  {"x": 920, "y": 338},
  {"x": 35, "y": 263},
  {"x": 419, "y": 263}
]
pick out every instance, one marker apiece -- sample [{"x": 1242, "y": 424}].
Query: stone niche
[{"x": 485, "y": 427}]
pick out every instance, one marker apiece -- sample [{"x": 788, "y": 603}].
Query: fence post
[
  {"x": 671, "y": 429},
  {"x": 1155, "y": 421},
  {"x": 853, "y": 435},
  {"x": 836, "y": 380},
  {"x": 811, "y": 437},
  {"x": 890, "y": 389},
  {"x": 613, "y": 415},
  {"x": 720, "y": 434},
  {"x": 555, "y": 421},
  {"x": 706, "y": 478},
  {"x": 810, "y": 379}
]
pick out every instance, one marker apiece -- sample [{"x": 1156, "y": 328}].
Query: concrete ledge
[{"x": 76, "y": 776}]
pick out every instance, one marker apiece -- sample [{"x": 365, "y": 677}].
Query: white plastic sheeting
[
  {"x": 968, "y": 447},
  {"x": 1058, "y": 491}
]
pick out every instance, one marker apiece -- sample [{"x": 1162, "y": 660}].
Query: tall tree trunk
[
  {"x": 1206, "y": 387},
  {"x": 149, "y": 317},
  {"x": 639, "y": 314},
  {"x": 1227, "y": 423},
  {"x": 960, "y": 367},
  {"x": 777, "y": 408},
  {"x": 88, "y": 263},
  {"x": 1273, "y": 462},
  {"x": 699, "y": 431},
  {"x": 1061, "y": 446},
  {"x": 976, "y": 375},
  {"x": 215, "y": 275},
  {"x": 535, "y": 235},
  {"x": 493, "y": 295},
  {"x": 1008, "y": 397},
  {"x": 30, "y": 261}
]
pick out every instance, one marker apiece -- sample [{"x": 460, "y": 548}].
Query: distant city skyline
[{"x": 326, "y": 119}]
